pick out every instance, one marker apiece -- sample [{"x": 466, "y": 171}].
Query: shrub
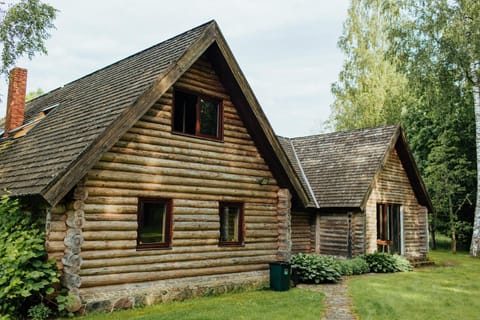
[
  {"x": 402, "y": 264},
  {"x": 313, "y": 268},
  {"x": 26, "y": 276},
  {"x": 39, "y": 312},
  {"x": 354, "y": 266},
  {"x": 384, "y": 262}
]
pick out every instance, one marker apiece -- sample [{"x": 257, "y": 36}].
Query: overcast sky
[{"x": 286, "y": 49}]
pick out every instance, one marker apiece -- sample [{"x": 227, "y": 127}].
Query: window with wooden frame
[
  {"x": 389, "y": 228},
  {"x": 231, "y": 224},
  {"x": 197, "y": 115},
  {"x": 154, "y": 223}
]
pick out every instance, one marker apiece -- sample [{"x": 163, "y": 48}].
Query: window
[
  {"x": 231, "y": 224},
  {"x": 389, "y": 229},
  {"x": 199, "y": 116},
  {"x": 154, "y": 223}
]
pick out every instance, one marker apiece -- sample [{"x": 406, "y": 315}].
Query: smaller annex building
[{"x": 367, "y": 193}]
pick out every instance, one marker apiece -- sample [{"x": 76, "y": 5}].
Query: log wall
[
  {"x": 334, "y": 229},
  {"x": 393, "y": 187},
  {"x": 302, "y": 226},
  {"x": 151, "y": 161}
]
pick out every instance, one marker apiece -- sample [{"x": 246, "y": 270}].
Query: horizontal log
[
  {"x": 109, "y": 235},
  {"x": 117, "y": 192},
  {"x": 179, "y": 266},
  {"x": 116, "y": 186},
  {"x": 111, "y": 201},
  {"x": 109, "y": 245},
  {"x": 158, "y": 137},
  {"x": 59, "y": 209},
  {"x": 219, "y": 157},
  {"x": 223, "y": 171},
  {"x": 55, "y": 246},
  {"x": 57, "y": 226},
  {"x": 56, "y": 235},
  {"x": 110, "y": 226},
  {"x": 184, "y": 85},
  {"x": 194, "y": 242},
  {"x": 196, "y": 226},
  {"x": 169, "y": 257},
  {"x": 106, "y": 280},
  {"x": 177, "y": 175},
  {"x": 196, "y": 234},
  {"x": 110, "y": 217},
  {"x": 112, "y": 253},
  {"x": 213, "y": 182},
  {"x": 114, "y": 209}
]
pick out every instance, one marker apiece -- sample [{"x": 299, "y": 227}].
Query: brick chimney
[{"x": 17, "y": 90}]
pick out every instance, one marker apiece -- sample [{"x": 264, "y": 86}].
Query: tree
[
  {"x": 33, "y": 94},
  {"x": 410, "y": 61},
  {"x": 471, "y": 12},
  {"x": 370, "y": 91},
  {"x": 24, "y": 27},
  {"x": 434, "y": 54}
]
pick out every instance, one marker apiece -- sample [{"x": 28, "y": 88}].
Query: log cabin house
[
  {"x": 367, "y": 192},
  {"x": 164, "y": 179},
  {"x": 162, "y": 175}
]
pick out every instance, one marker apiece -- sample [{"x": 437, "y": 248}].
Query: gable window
[
  {"x": 154, "y": 223},
  {"x": 231, "y": 224},
  {"x": 197, "y": 115},
  {"x": 389, "y": 228}
]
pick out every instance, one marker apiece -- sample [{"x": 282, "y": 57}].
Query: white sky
[{"x": 286, "y": 49}]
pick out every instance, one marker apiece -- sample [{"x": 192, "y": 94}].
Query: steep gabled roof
[
  {"x": 93, "y": 112},
  {"x": 341, "y": 167}
]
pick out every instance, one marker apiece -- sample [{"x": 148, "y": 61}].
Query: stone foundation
[{"x": 125, "y": 297}]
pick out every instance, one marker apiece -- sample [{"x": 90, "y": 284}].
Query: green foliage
[
  {"x": 33, "y": 94},
  {"x": 39, "y": 312},
  {"x": 436, "y": 42},
  {"x": 370, "y": 91},
  {"x": 355, "y": 266},
  {"x": 380, "y": 262},
  {"x": 26, "y": 276},
  {"x": 24, "y": 27},
  {"x": 313, "y": 268}
]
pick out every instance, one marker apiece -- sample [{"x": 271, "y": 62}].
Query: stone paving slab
[{"x": 337, "y": 302}]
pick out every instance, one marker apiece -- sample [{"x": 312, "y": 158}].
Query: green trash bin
[{"x": 279, "y": 276}]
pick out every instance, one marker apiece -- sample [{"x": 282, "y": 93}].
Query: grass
[
  {"x": 448, "y": 291},
  {"x": 260, "y": 304}
]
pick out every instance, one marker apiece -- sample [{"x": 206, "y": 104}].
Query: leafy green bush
[
  {"x": 39, "y": 312},
  {"x": 354, "y": 266},
  {"x": 383, "y": 262},
  {"x": 313, "y": 268},
  {"x": 402, "y": 264},
  {"x": 380, "y": 262},
  {"x": 26, "y": 276}
]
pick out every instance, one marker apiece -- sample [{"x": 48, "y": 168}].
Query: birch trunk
[{"x": 475, "y": 246}]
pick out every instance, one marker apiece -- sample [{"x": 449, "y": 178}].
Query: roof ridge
[{"x": 347, "y": 131}]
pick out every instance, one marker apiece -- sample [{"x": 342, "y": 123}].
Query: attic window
[
  {"x": 198, "y": 116},
  {"x": 23, "y": 130}
]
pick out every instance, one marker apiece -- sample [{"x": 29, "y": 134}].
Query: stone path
[{"x": 338, "y": 305}]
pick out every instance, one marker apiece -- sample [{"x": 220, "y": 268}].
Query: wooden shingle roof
[
  {"x": 95, "y": 110},
  {"x": 340, "y": 168}
]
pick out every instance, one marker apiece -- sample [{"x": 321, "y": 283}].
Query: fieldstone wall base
[{"x": 138, "y": 295}]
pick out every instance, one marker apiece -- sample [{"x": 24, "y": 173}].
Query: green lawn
[
  {"x": 261, "y": 304},
  {"x": 451, "y": 290}
]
